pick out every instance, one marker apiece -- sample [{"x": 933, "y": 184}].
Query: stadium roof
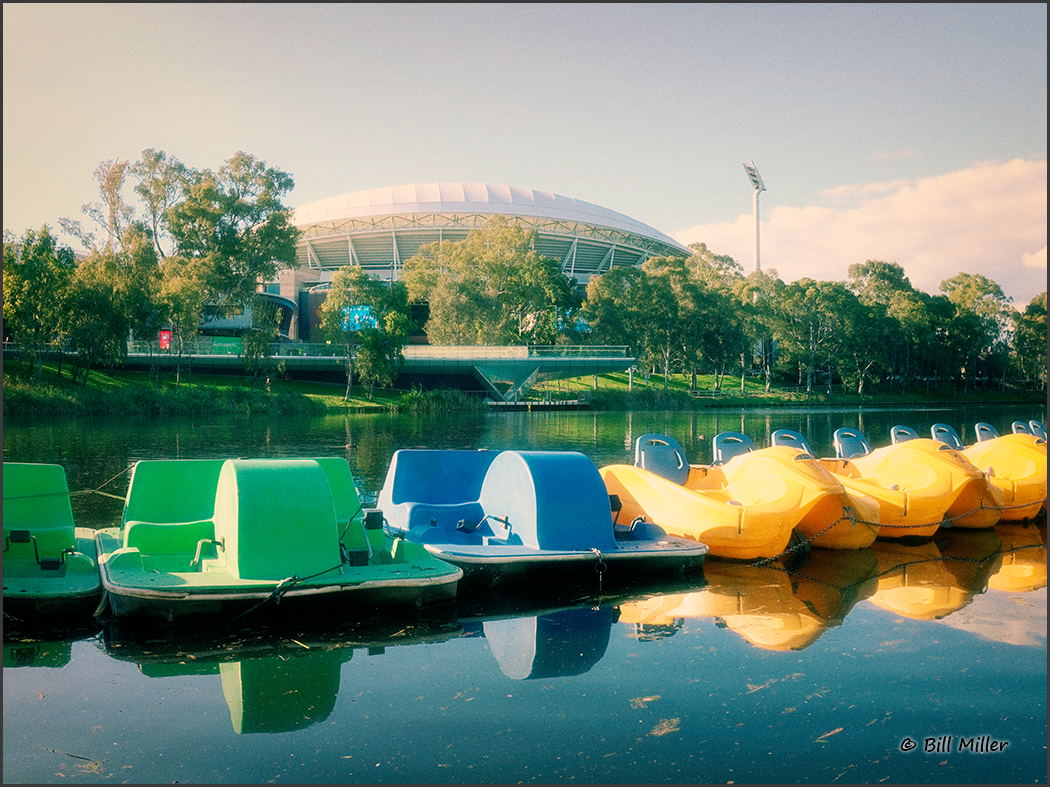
[{"x": 381, "y": 228}]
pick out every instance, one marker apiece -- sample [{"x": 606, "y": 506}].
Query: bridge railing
[{"x": 232, "y": 346}]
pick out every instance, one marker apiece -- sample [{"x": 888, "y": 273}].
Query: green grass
[
  {"x": 137, "y": 393},
  {"x": 614, "y": 392}
]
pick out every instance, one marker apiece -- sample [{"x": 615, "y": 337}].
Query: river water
[{"x": 902, "y": 664}]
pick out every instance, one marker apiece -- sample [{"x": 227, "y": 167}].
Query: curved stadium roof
[{"x": 381, "y": 228}]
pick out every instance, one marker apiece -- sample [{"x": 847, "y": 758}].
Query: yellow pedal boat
[
  {"x": 1014, "y": 463},
  {"x": 920, "y": 484},
  {"x": 745, "y": 508}
]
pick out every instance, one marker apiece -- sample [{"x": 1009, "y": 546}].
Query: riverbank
[{"x": 137, "y": 393}]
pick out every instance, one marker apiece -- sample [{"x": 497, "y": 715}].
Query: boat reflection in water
[
  {"x": 272, "y": 681},
  {"x": 780, "y": 608},
  {"x": 552, "y": 645},
  {"x": 1023, "y": 564},
  {"x": 769, "y": 606},
  {"x": 932, "y": 580}
]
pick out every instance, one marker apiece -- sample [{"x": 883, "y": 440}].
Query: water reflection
[
  {"x": 559, "y": 713},
  {"x": 780, "y": 608},
  {"x": 556, "y": 644},
  {"x": 932, "y": 580},
  {"x": 273, "y": 680},
  {"x": 1023, "y": 560},
  {"x": 769, "y": 606}
]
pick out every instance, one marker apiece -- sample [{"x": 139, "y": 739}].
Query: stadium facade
[{"x": 379, "y": 229}]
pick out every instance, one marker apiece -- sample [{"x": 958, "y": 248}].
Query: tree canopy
[{"x": 491, "y": 288}]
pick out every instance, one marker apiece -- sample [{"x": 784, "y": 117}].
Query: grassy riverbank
[{"x": 137, "y": 393}]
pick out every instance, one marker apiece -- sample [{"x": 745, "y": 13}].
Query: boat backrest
[
  {"x": 730, "y": 444},
  {"x": 36, "y": 499},
  {"x": 1020, "y": 427},
  {"x": 172, "y": 490},
  {"x": 898, "y": 434},
  {"x": 551, "y": 500},
  {"x": 663, "y": 456},
  {"x": 1038, "y": 428},
  {"x": 947, "y": 435},
  {"x": 276, "y": 518},
  {"x": 177, "y": 538},
  {"x": 440, "y": 485},
  {"x": 985, "y": 431},
  {"x": 791, "y": 439},
  {"x": 850, "y": 443},
  {"x": 349, "y": 513}
]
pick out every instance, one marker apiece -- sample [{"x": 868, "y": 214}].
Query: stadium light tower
[{"x": 756, "y": 181}]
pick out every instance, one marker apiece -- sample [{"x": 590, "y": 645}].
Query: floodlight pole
[{"x": 759, "y": 186}]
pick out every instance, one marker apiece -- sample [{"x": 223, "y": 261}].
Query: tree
[
  {"x": 257, "y": 341},
  {"x": 111, "y": 212},
  {"x": 233, "y": 229},
  {"x": 876, "y": 281},
  {"x": 807, "y": 323},
  {"x": 1030, "y": 341},
  {"x": 491, "y": 288},
  {"x": 161, "y": 183},
  {"x": 370, "y": 322},
  {"x": 982, "y": 319},
  {"x": 37, "y": 271}
]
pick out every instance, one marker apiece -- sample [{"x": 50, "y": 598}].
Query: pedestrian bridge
[{"x": 506, "y": 372}]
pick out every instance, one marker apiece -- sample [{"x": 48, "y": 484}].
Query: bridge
[{"x": 505, "y": 372}]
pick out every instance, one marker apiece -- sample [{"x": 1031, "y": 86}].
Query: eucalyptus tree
[
  {"x": 37, "y": 272},
  {"x": 111, "y": 213},
  {"x": 490, "y": 288},
  {"x": 807, "y": 314},
  {"x": 234, "y": 228},
  {"x": 1029, "y": 341},
  {"x": 369, "y": 321},
  {"x": 112, "y": 295},
  {"x": 982, "y": 321},
  {"x": 615, "y": 307}
]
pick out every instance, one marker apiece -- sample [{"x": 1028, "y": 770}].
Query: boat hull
[
  {"x": 920, "y": 485},
  {"x": 516, "y": 516},
  {"x": 240, "y": 536},
  {"x": 675, "y": 556},
  {"x": 1016, "y": 465},
  {"x": 133, "y": 593},
  {"x": 748, "y": 508}
]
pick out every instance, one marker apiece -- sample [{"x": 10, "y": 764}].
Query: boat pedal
[
  {"x": 466, "y": 526},
  {"x": 358, "y": 558},
  {"x": 373, "y": 519}
]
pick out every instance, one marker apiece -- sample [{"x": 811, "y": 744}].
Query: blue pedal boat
[
  {"x": 508, "y": 516},
  {"x": 213, "y": 537},
  {"x": 50, "y": 570}
]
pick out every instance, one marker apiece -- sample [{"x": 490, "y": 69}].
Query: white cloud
[{"x": 988, "y": 219}]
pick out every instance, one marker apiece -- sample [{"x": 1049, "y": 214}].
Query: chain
[{"x": 599, "y": 566}]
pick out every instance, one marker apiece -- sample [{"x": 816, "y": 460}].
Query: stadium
[{"x": 380, "y": 228}]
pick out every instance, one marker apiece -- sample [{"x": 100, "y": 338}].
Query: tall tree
[
  {"x": 111, "y": 213},
  {"x": 982, "y": 320},
  {"x": 162, "y": 180},
  {"x": 370, "y": 322},
  {"x": 491, "y": 288},
  {"x": 37, "y": 271},
  {"x": 235, "y": 230},
  {"x": 1030, "y": 341}
]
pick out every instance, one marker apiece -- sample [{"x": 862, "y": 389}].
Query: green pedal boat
[
  {"x": 223, "y": 538},
  {"x": 50, "y": 572}
]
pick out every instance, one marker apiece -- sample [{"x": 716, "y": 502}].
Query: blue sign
[{"x": 356, "y": 318}]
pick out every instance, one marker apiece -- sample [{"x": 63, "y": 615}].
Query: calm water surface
[{"x": 837, "y": 669}]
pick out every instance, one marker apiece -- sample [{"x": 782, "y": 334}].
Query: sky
[{"x": 913, "y": 134}]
